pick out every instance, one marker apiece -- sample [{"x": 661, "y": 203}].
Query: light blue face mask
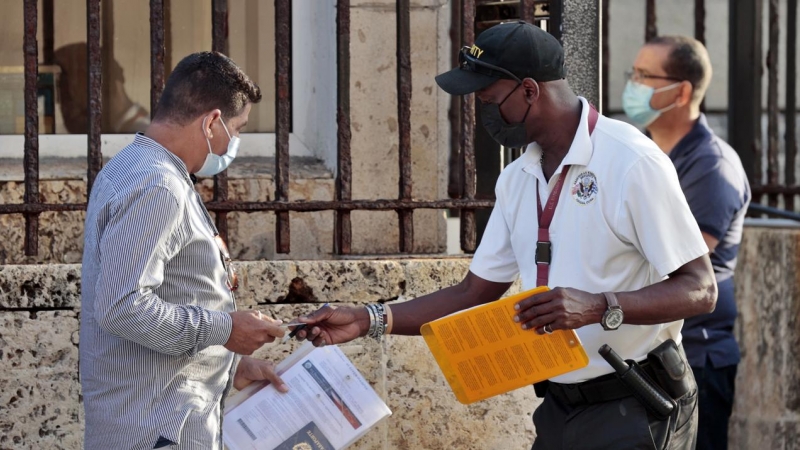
[
  {"x": 636, "y": 102},
  {"x": 215, "y": 164}
]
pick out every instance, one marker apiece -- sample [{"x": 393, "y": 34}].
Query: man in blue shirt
[{"x": 663, "y": 94}]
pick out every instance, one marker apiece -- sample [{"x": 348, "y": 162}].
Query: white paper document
[{"x": 328, "y": 407}]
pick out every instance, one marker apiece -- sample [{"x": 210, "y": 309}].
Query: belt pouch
[{"x": 670, "y": 368}]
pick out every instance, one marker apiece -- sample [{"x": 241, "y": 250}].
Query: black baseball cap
[{"x": 510, "y": 50}]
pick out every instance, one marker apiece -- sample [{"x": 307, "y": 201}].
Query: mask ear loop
[
  {"x": 208, "y": 141},
  {"x": 664, "y": 89}
]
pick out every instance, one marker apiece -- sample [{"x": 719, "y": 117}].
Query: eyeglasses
[
  {"x": 637, "y": 76},
  {"x": 233, "y": 278},
  {"x": 467, "y": 62}
]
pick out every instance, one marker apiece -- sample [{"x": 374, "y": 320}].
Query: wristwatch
[{"x": 613, "y": 316}]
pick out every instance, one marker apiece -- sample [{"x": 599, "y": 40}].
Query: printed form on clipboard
[
  {"x": 482, "y": 352},
  {"x": 328, "y": 407}
]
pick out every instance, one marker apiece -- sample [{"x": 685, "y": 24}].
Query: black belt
[{"x": 597, "y": 390}]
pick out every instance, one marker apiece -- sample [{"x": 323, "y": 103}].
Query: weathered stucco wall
[
  {"x": 40, "y": 393},
  {"x": 767, "y": 407},
  {"x": 40, "y": 402}
]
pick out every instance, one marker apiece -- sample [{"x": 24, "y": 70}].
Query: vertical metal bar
[
  {"x": 219, "y": 42},
  {"x": 157, "y": 53},
  {"x": 344, "y": 167},
  {"x": 405, "y": 216},
  {"x": 456, "y": 162},
  {"x": 700, "y": 30},
  {"x": 772, "y": 100},
  {"x": 555, "y": 21},
  {"x": 527, "y": 10},
  {"x": 283, "y": 113},
  {"x": 48, "y": 32},
  {"x": 31, "y": 158},
  {"x": 605, "y": 55},
  {"x": 650, "y": 30},
  {"x": 95, "y": 92},
  {"x": 700, "y": 20},
  {"x": 468, "y": 231},
  {"x": 791, "y": 101},
  {"x": 744, "y": 86}
]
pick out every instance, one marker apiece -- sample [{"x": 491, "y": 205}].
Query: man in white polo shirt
[{"x": 622, "y": 253}]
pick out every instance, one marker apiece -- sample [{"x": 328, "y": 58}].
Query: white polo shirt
[{"x": 622, "y": 223}]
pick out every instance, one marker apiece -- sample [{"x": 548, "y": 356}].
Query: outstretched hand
[{"x": 329, "y": 325}]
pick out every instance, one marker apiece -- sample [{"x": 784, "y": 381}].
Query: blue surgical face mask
[
  {"x": 215, "y": 164},
  {"x": 636, "y": 102}
]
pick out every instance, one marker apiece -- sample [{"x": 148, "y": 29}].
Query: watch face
[{"x": 613, "y": 319}]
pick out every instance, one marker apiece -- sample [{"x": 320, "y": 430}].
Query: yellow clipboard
[{"x": 482, "y": 352}]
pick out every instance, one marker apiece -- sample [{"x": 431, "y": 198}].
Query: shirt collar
[
  {"x": 699, "y": 133},
  {"x": 141, "y": 140},
  {"x": 580, "y": 151}
]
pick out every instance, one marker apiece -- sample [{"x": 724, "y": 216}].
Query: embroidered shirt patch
[{"x": 584, "y": 189}]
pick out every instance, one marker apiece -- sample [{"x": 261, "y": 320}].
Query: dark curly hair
[
  {"x": 202, "y": 82},
  {"x": 688, "y": 60}
]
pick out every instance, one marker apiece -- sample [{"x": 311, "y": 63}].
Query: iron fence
[
  {"x": 221, "y": 204},
  {"x": 747, "y": 68}
]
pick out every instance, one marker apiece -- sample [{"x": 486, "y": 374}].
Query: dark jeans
[
  {"x": 617, "y": 424},
  {"x": 716, "y": 387}
]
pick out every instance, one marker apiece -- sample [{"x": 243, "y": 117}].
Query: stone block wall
[
  {"x": 40, "y": 401},
  {"x": 767, "y": 406}
]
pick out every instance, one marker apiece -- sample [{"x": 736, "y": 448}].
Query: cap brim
[{"x": 463, "y": 82}]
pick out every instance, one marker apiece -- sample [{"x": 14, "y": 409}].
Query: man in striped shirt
[{"x": 160, "y": 332}]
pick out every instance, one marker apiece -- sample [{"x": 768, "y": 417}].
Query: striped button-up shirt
[{"x": 154, "y": 307}]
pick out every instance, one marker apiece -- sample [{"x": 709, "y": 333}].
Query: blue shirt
[{"x": 716, "y": 188}]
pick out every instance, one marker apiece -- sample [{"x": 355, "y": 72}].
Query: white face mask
[{"x": 215, "y": 164}]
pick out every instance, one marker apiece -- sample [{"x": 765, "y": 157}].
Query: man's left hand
[
  {"x": 252, "y": 369},
  {"x": 560, "y": 309}
]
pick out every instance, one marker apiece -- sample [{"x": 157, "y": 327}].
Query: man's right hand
[
  {"x": 251, "y": 330},
  {"x": 334, "y": 325}
]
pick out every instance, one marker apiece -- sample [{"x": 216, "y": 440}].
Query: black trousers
[
  {"x": 617, "y": 424},
  {"x": 716, "y": 388}
]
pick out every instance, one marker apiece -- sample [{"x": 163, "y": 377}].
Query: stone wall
[
  {"x": 40, "y": 402},
  {"x": 767, "y": 406}
]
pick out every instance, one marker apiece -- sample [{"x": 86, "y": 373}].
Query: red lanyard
[{"x": 544, "y": 248}]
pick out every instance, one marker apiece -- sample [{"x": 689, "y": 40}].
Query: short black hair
[
  {"x": 202, "y": 82},
  {"x": 688, "y": 60}
]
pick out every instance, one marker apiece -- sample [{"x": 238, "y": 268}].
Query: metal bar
[
  {"x": 555, "y": 22},
  {"x": 651, "y": 29},
  {"x": 405, "y": 217},
  {"x": 31, "y": 158},
  {"x": 94, "y": 61},
  {"x": 48, "y": 32},
  {"x": 344, "y": 169},
  {"x": 294, "y": 206},
  {"x": 700, "y": 31},
  {"x": 744, "y": 86},
  {"x": 776, "y": 189},
  {"x": 758, "y": 208},
  {"x": 527, "y": 10},
  {"x": 772, "y": 99},
  {"x": 791, "y": 101},
  {"x": 283, "y": 113},
  {"x": 219, "y": 43},
  {"x": 456, "y": 161},
  {"x": 157, "y": 53},
  {"x": 468, "y": 230},
  {"x": 605, "y": 55},
  {"x": 350, "y": 205},
  {"x": 700, "y": 20}
]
